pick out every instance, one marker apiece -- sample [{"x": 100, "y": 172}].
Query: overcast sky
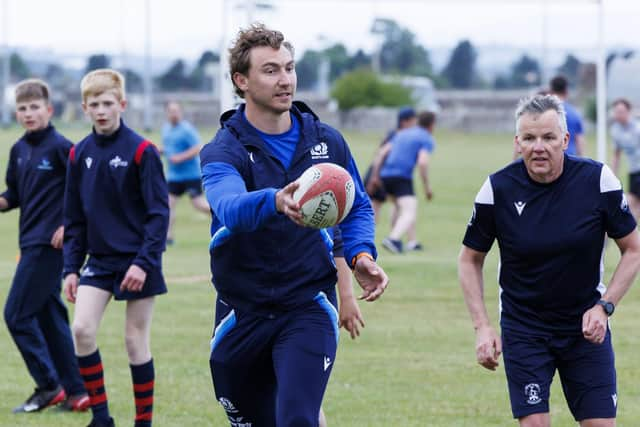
[{"x": 185, "y": 28}]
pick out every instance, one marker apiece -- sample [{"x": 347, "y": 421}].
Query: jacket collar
[
  {"x": 37, "y": 136},
  {"x": 106, "y": 139},
  {"x": 234, "y": 122}
]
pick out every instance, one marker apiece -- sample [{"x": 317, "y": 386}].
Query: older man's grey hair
[{"x": 539, "y": 104}]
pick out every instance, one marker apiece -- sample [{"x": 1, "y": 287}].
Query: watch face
[{"x": 609, "y": 307}]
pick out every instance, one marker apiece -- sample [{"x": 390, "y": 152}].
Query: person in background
[
  {"x": 625, "y": 133},
  {"x": 394, "y": 167},
  {"x": 406, "y": 118},
  {"x": 181, "y": 146}
]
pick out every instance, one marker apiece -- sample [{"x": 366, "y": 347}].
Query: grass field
[{"x": 414, "y": 365}]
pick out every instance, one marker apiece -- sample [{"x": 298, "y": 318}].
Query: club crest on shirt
[
  {"x": 45, "y": 165},
  {"x": 88, "y": 161},
  {"x": 532, "y": 391},
  {"x": 320, "y": 151},
  {"x": 117, "y": 162}
]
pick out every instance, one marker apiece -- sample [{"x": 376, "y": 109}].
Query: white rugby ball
[{"x": 325, "y": 195}]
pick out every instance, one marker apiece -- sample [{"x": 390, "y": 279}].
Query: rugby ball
[{"x": 325, "y": 195}]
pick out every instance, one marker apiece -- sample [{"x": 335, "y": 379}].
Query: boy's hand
[
  {"x": 57, "y": 238},
  {"x": 134, "y": 279},
  {"x": 350, "y": 316},
  {"x": 71, "y": 287}
]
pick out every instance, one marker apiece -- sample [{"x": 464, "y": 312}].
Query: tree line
[{"x": 399, "y": 53}]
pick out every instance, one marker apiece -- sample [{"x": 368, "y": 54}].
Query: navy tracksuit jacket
[
  {"x": 116, "y": 202},
  {"x": 276, "y": 330},
  {"x": 34, "y": 312}
]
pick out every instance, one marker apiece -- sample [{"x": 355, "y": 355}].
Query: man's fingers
[
  {"x": 488, "y": 361},
  {"x": 361, "y": 320},
  {"x": 586, "y": 322},
  {"x": 375, "y": 294},
  {"x": 291, "y": 187}
]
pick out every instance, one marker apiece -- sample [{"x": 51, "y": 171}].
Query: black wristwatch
[{"x": 608, "y": 307}]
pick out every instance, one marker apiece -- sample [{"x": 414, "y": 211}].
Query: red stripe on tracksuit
[{"x": 140, "y": 151}]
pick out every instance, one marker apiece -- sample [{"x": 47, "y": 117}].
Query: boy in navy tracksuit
[
  {"x": 116, "y": 211},
  {"x": 34, "y": 313},
  {"x": 276, "y": 330}
]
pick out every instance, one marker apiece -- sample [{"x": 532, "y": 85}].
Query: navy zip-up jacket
[
  {"x": 35, "y": 183},
  {"x": 116, "y": 205},
  {"x": 262, "y": 261}
]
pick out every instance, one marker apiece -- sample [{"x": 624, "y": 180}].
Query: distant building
[{"x": 423, "y": 91}]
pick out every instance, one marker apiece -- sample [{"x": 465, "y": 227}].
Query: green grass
[{"x": 414, "y": 365}]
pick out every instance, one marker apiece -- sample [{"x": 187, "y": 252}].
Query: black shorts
[
  {"x": 397, "y": 186},
  {"x": 109, "y": 279},
  {"x": 634, "y": 183},
  {"x": 193, "y": 187},
  {"x": 586, "y": 370},
  {"x": 380, "y": 194}
]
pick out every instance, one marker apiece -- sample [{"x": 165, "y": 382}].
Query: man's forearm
[
  {"x": 190, "y": 153},
  {"x": 424, "y": 174},
  {"x": 470, "y": 275}
]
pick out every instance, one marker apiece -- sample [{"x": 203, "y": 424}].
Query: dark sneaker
[
  {"x": 391, "y": 245},
  {"x": 75, "y": 403},
  {"x": 101, "y": 423},
  {"x": 415, "y": 246},
  {"x": 41, "y": 399}
]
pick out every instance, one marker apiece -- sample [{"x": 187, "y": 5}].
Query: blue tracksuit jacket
[{"x": 261, "y": 261}]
